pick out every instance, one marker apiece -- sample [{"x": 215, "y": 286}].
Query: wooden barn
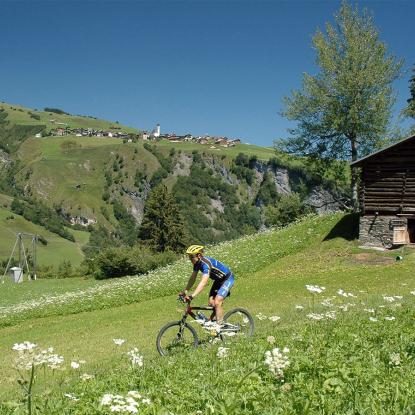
[{"x": 387, "y": 195}]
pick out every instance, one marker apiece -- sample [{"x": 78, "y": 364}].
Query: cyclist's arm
[
  {"x": 191, "y": 281},
  {"x": 201, "y": 285}
]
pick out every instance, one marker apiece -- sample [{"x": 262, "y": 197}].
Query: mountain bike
[{"x": 178, "y": 336}]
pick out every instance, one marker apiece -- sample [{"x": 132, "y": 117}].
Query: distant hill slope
[
  {"x": 51, "y": 120},
  {"x": 57, "y": 248}
]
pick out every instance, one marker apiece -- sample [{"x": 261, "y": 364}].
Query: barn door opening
[{"x": 411, "y": 231}]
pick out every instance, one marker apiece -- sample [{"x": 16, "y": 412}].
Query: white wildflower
[
  {"x": 373, "y": 319},
  {"x": 390, "y": 318},
  {"x": 369, "y": 310},
  {"x": 330, "y": 315},
  {"x": 28, "y": 357},
  {"x": 315, "y": 316},
  {"x": 345, "y": 294},
  {"x": 394, "y": 359},
  {"x": 85, "y": 377},
  {"x": 135, "y": 357},
  {"x": 413, "y": 292},
  {"x": 72, "y": 397},
  {"x": 24, "y": 346},
  {"x": 75, "y": 365},
  {"x": 124, "y": 404},
  {"x": 299, "y": 307},
  {"x": 271, "y": 339},
  {"x": 315, "y": 289},
  {"x": 222, "y": 352},
  {"x": 118, "y": 342},
  {"x": 261, "y": 316},
  {"x": 389, "y": 299},
  {"x": 274, "y": 318},
  {"x": 277, "y": 361}
]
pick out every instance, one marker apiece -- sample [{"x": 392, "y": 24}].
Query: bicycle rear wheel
[
  {"x": 238, "y": 323},
  {"x": 176, "y": 337}
]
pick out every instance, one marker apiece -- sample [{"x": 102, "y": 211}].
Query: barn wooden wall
[{"x": 388, "y": 181}]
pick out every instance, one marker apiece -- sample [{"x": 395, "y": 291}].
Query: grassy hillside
[
  {"x": 57, "y": 249},
  {"x": 27, "y": 116},
  {"x": 343, "y": 363},
  {"x": 73, "y": 172}
]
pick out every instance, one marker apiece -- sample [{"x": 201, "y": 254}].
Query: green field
[
  {"x": 57, "y": 249},
  {"x": 340, "y": 366}
]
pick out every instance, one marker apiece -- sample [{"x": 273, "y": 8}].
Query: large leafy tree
[
  {"x": 162, "y": 226},
  {"x": 410, "y": 109},
  {"x": 344, "y": 110}
]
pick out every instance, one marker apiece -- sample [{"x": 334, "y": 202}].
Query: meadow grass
[
  {"x": 18, "y": 114},
  {"x": 56, "y": 250},
  {"x": 344, "y": 365}
]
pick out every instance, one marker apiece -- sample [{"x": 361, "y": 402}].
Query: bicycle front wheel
[
  {"x": 238, "y": 323},
  {"x": 176, "y": 337}
]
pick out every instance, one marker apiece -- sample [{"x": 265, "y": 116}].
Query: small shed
[{"x": 387, "y": 195}]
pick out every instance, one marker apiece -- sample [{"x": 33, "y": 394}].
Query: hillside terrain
[
  {"x": 95, "y": 182},
  {"x": 350, "y": 342}
]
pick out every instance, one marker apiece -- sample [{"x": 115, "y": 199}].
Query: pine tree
[{"x": 162, "y": 226}]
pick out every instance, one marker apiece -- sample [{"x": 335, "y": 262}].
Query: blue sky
[{"x": 204, "y": 67}]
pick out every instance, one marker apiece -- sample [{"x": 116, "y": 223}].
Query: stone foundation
[{"x": 379, "y": 230}]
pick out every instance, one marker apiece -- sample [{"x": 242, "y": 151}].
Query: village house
[{"x": 387, "y": 195}]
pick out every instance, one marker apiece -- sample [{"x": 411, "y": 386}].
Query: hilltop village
[{"x": 144, "y": 135}]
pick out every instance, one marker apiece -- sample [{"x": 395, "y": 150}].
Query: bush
[
  {"x": 55, "y": 110},
  {"x": 121, "y": 261},
  {"x": 285, "y": 211}
]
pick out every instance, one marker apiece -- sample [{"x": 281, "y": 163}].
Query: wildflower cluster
[
  {"x": 277, "y": 361},
  {"x": 329, "y": 315},
  {"x": 135, "y": 357},
  {"x": 315, "y": 289},
  {"x": 28, "y": 356},
  {"x": 222, "y": 352},
  {"x": 124, "y": 404},
  {"x": 394, "y": 359},
  {"x": 261, "y": 316},
  {"x": 345, "y": 294}
]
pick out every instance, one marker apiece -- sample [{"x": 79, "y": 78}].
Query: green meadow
[
  {"x": 57, "y": 248},
  {"x": 351, "y": 347},
  {"x": 18, "y": 114}
]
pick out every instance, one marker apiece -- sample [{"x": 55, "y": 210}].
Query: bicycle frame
[{"x": 189, "y": 311}]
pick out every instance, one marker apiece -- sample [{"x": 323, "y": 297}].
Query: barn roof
[{"x": 361, "y": 161}]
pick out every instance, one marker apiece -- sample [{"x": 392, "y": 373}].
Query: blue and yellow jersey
[{"x": 212, "y": 267}]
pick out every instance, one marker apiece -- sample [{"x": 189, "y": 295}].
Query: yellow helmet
[{"x": 194, "y": 249}]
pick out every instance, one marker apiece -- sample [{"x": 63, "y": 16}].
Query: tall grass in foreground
[{"x": 343, "y": 357}]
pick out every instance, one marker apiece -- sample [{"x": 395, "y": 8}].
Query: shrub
[
  {"x": 55, "y": 110},
  {"x": 121, "y": 261},
  {"x": 285, "y": 211}
]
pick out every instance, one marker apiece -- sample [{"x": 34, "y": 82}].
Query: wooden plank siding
[{"x": 388, "y": 180}]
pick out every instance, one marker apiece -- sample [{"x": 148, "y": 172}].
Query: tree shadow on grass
[{"x": 347, "y": 228}]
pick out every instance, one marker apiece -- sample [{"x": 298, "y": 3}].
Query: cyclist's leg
[
  {"x": 223, "y": 292},
  {"x": 212, "y": 294}
]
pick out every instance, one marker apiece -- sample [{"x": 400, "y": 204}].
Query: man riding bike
[{"x": 210, "y": 268}]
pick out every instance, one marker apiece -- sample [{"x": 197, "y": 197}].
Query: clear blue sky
[{"x": 204, "y": 67}]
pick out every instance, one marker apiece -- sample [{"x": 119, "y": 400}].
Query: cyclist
[{"x": 210, "y": 268}]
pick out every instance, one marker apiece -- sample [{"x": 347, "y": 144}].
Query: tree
[
  {"x": 343, "y": 111},
  {"x": 162, "y": 226},
  {"x": 410, "y": 109}
]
